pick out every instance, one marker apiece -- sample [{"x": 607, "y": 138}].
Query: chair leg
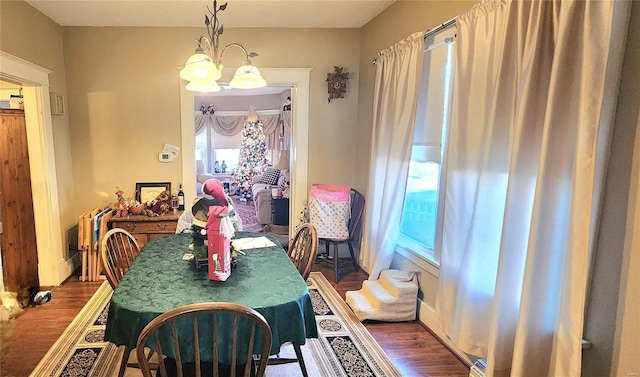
[
  {"x": 303, "y": 368},
  {"x": 335, "y": 261},
  {"x": 353, "y": 258},
  {"x": 125, "y": 360}
]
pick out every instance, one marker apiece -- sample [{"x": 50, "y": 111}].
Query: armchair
[{"x": 261, "y": 193}]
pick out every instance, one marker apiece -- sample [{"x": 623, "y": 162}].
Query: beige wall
[
  {"x": 124, "y": 104},
  {"x": 28, "y": 34},
  {"x": 242, "y": 103}
]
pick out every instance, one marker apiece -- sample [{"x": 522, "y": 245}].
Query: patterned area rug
[
  {"x": 247, "y": 212},
  {"x": 344, "y": 348}
]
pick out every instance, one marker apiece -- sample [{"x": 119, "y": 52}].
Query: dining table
[{"x": 160, "y": 279}]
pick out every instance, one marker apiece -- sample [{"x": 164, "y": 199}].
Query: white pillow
[{"x": 282, "y": 180}]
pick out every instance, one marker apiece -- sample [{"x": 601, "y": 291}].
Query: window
[
  {"x": 211, "y": 147},
  {"x": 421, "y": 226},
  {"x": 229, "y": 156}
]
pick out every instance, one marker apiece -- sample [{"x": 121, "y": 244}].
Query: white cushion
[{"x": 282, "y": 181}]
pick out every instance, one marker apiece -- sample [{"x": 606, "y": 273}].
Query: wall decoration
[
  {"x": 337, "y": 83},
  {"x": 286, "y": 106},
  {"x": 57, "y": 104},
  {"x": 208, "y": 109}
]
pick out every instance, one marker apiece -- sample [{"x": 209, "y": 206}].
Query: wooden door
[{"x": 19, "y": 251}]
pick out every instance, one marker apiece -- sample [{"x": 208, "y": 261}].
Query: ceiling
[{"x": 239, "y": 13}]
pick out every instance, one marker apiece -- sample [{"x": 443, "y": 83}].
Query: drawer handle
[
  {"x": 162, "y": 226},
  {"x": 130, "y": 226}
]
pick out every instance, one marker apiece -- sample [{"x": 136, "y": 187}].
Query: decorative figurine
[
  {"x": 287, "y": 105},
  {"x": 121, "y": 207}
]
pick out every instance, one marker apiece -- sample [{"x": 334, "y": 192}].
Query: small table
[
  {"x": 280, "y": 211},
  {"x": 160, "y": 280}
]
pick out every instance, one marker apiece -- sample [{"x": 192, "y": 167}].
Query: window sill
[{"x": 422, "y": 261}]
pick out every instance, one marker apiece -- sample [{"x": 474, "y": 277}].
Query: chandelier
[{"x": 204, "y": 67}]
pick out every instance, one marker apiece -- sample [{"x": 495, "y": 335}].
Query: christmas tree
[{"x": 252, "y": 156}]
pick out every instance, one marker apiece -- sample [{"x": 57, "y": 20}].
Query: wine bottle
[{"x": 180, "y": 198}]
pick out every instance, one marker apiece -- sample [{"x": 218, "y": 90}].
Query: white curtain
[
  {"x": 528, "y": 106},
  {"x": 394, "y": 111}
]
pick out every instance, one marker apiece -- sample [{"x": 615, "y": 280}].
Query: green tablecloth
[{"x": 159, "y": 280}]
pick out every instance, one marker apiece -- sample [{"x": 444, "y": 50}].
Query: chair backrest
[
  {"x": 225, "y": 330},
  {"x": 118, "y": 250},
  {"x": 357, "y": 210},
  {"x": 303, "y": 249}
]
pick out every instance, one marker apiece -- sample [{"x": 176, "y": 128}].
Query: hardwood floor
[
  {"x": 412, "y": 348},
  {"x": 27, "y": 338}
]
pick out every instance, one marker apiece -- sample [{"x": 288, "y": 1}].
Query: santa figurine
[{"x": 213, "y": 194}]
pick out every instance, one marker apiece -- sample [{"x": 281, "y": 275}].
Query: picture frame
[{"x": 148, "y": 191}]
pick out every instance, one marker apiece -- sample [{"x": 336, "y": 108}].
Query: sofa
[{"x": 261, "y": 186}]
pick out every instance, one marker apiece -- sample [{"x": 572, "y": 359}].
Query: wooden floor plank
[{"x": 26, "y": 339}]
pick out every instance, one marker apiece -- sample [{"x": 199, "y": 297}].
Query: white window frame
[{"x": 416, "y": 252}]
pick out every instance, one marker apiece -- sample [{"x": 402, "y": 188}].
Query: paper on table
[{"x": 252, "y": 243}]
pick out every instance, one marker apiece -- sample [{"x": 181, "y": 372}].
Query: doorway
[
  {"x": 296, "y": 78},
  {"x": 19, "y": 251},
  {"x": 52, "y": 268}
]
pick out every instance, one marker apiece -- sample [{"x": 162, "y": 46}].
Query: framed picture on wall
[{"x": 148, "y": 191}]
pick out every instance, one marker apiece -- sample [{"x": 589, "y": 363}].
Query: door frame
[
  {"x": 44, "y": 184},
  {"x": 296, "y": 78}
]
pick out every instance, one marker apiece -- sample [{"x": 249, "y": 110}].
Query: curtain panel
[
  {"x": 232, "y": 125},
  {"x": 396, "y": 90},
  {"x": 529, "y": 91}
]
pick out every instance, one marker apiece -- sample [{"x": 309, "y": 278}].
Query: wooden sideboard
[{"x": 146, "y": 228}]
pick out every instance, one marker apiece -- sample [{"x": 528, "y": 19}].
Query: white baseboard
[
  {"x": 427, "y": 315},
  {"x": 66, "y": 268}
]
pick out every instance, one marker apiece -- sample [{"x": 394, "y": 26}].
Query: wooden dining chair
[
  {"x": 302, "y": 252},
  {"x": 357, "y": 211},
  {"x": 118, "y": 250},
  {"x": 180, "y": 332},
  {"x": 303, "y": 249}
]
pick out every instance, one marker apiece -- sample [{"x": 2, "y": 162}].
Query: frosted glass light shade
[
  {"x": 203, "y": 87},
  {"x": 247, "y": 77},
  {"x": 200, "y": 67}
]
